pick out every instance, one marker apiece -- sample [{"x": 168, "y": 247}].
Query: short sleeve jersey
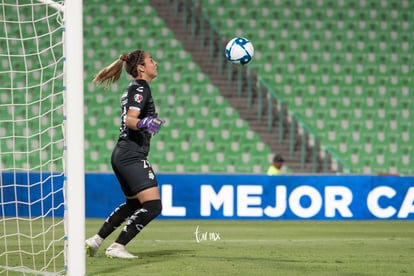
[{"x": 137, "y": 96}]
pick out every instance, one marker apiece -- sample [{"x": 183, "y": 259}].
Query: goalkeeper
[{"x": 139, "y": 122}]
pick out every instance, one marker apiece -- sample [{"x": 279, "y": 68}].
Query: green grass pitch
[{"x": 251, "y": 247}]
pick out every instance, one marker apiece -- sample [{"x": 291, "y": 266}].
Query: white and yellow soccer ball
[{"x": 239, "y": 50}]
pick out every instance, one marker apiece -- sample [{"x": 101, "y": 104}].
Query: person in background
[{"x": 275, "y": 168}]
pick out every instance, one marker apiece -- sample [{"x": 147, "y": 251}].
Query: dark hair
[
  {"x": 112, "y": 72},
  {"x": 278, "y": 158},
  {"x": 134, "y": 58}
]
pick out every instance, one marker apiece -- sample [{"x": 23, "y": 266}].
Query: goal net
[{"x": 33, "y": 231}]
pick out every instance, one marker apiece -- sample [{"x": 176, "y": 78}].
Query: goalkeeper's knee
[
  {"x": 152, "y": 209},
  {"x": 133, "y": 204}
]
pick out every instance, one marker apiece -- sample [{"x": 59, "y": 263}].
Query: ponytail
[{"x": 110, "y": 73}]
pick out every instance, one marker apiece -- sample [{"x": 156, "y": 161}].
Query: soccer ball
[{"x": 239, "y": 50}]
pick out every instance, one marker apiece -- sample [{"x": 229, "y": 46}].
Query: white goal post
[
  {"x": 75, "y": 138},
  {"x": 42, "y": 208}
]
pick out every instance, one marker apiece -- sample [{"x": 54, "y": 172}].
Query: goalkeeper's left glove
[{"x": 151, "y": 124}]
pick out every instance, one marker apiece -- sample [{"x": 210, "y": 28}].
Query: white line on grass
[
  {"x": 27, "y": 270},
  {"x": 290, "y": 240}
]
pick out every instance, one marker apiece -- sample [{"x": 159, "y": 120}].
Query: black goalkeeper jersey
[{"x": 137, "y": 96}]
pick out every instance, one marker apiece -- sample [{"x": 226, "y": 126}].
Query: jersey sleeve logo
[{"x": 138, "y": 98}]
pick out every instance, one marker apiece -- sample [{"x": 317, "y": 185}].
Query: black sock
[
  {"x": 118, "y": 216},
  {"x": 139, "y": 220}
]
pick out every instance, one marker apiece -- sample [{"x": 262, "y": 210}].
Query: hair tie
[{"x": 123, "y": 57}]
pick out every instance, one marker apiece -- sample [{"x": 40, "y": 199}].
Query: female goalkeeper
[{"x": 139, "y": 122}]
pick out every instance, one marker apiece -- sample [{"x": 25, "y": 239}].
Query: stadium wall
[{"x": 209, "y": 196}]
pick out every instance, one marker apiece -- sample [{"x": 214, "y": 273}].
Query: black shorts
[{"x": 132, "y": 169}]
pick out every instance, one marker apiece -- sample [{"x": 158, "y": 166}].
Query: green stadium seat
[{"x": 356, "y": 65}]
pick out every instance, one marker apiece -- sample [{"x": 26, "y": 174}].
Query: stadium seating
[
  {"x": 196, "y": 137},
  {"x": 341, "y": 65}
]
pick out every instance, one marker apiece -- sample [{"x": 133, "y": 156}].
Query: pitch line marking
[{"x": 223, "y": 240}]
